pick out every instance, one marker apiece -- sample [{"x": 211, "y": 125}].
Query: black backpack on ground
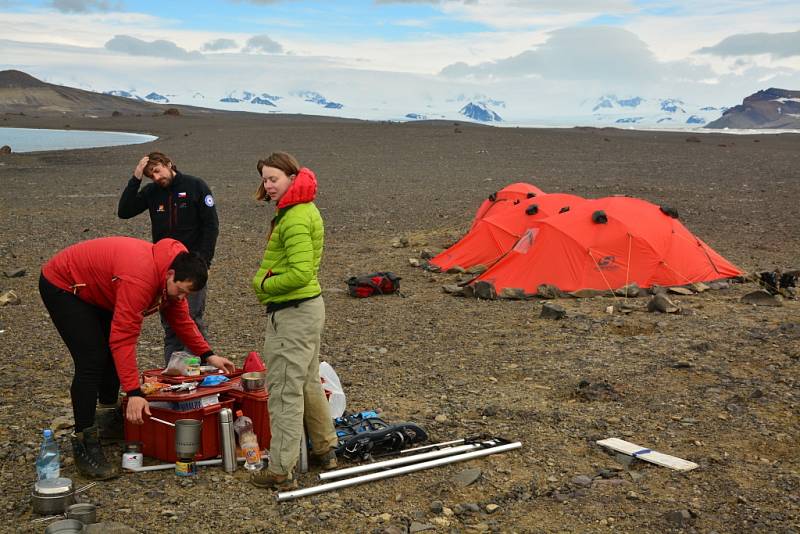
[{"x": 365, "y": 434}]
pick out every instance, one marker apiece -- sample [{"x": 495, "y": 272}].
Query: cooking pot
[
  {"x": 84, "y": 512},
  {"x": 65, "y": 526},
  {"x": 254, "y": 381},
  {"x": 53, "y": 496}
]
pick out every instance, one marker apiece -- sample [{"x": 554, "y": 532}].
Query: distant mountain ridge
[
  {"x": 20, "y": 92},
  {"x": 645, "y": 111},
  {"x": 770, "y": 108}
]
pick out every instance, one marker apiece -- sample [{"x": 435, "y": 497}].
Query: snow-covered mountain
[
  {"x": 155, "y": 97},
  {"x": 316, "y": 98},
  {"x": 665, "y": 112},
  {"x": 480, "y": 111},
  {"x": 607, "y": 110},
  {"x": 152, "y": 96},
  {"x": 124, "y": 94},
  {"x": 770, "y": 108}
]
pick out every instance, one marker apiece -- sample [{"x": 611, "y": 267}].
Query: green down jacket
[{"x": 291, "y": 260}]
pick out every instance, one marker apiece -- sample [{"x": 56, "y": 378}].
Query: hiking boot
[
  {"x": 89, "y": 457},
  {"x": 325, "y": 461},
  {"x": 269, "y": 480},
  {"x": 110, "y": 423}
]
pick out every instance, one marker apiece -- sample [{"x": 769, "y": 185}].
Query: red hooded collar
[{"x": 302, "y": 190}]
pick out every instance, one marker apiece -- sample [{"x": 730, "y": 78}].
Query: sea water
[{"x": 35, "y": 139}]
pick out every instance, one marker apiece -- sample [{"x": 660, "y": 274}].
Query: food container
[
  {"x": 84, "y": 512},
  {"x": 53, "y": 496},
  {"x": 64, "y": 526},
  {"x": 254, "y": 381}
]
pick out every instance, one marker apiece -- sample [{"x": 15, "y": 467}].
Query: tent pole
[
  {"x": 287, "y": 495},
  {"x": 442, "y": 444},
  {"x": 449, "y": 451}
]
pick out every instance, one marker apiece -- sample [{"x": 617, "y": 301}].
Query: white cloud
[
  {"x": 778, "y": 45},
  {"x": 595, "y": 53},
  {"x": 262, "y": 43},
  {"x": 159, "y": 48},
  {"x": 220, "y": 44},
  {"x": 84, "y": 6}
]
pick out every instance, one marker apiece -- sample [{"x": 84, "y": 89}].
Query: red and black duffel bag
[{"x": 366, "y": 285}]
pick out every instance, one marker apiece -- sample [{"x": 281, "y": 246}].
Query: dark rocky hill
[
  {"x": 22, "y": 93},
  {"x": 772, "y": 108}
]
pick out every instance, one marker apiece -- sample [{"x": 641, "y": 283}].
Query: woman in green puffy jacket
[{"x": 287, "y": 284}]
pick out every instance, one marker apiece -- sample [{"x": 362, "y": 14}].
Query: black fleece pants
[{"x": 85, "y": 330}]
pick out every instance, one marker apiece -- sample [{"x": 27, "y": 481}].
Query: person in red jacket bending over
[{"x": 97, "y": 293}]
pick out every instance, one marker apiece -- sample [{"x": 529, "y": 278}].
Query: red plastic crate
[
  {"x": 158, "y": 439},
  {"x": 254, "y": 405},
  {"x": 167, "y": 379}
]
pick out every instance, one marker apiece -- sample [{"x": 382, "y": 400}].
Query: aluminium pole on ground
[
  {"x": 287, "y": 495},
  {"x": 448, "y": 451}
]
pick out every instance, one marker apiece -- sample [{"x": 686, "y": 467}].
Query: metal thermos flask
[{"x": 227, "y": 440}]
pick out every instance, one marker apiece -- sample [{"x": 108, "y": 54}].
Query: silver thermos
[{"x": 227, "y": 440}]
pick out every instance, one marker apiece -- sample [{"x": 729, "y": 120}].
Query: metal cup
[
  {"x": 187, "y": 437},
  {"x": 84, "y": 512},
  {"x": 64, "y": 526}
]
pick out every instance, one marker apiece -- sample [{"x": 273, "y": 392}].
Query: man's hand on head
[{"x": 138, "y": 172}]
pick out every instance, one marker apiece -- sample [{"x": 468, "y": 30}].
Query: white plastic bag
[
  {"x": 332, "y": 385},
  {"x": 177, "y": 364}
]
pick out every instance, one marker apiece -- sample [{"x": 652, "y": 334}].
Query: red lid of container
[{"x": 178, "y": 396}]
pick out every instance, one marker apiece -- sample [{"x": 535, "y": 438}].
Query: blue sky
[
  {"x": 330, "y": 20},
  {"x": 716, "y": 51}
]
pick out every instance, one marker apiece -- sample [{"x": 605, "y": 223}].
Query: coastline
[{"x": 68, "y": 139}]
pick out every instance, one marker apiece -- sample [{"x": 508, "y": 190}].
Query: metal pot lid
[{"x": 52, "y": 486}]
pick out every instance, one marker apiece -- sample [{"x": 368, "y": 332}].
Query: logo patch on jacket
[
  {"x": 160, "y": 208},
  {"x": 209, "y": 200},
  {"x": 182, "y": 194}
]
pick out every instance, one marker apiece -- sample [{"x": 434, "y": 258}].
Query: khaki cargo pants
[{"x": 291, "y": 349}]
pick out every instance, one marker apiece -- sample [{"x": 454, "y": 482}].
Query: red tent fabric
[
  {"x": 637, "y": 243},
  {"x": 496, "y": 233},
  {"x": 505, "y": 198}
]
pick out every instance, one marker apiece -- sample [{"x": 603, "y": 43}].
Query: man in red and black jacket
[
  {"x": 97, "y": 293},
  {"x": 181, "y": 207}
]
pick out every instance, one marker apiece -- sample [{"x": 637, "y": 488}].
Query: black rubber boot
[
  {"x": 110, "y": 423},
  {"x": 89, "y": 457}
]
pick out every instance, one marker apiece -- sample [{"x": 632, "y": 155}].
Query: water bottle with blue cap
[{"x": 48, "y": 463}]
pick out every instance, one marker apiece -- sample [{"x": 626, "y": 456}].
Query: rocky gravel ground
[{"x": 716, "y": 384}]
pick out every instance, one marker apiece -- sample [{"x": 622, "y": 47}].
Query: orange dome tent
[
  {"x": 607, "y": 244},
  {"x": 495, "y": 234},
  {"x": 506, "y": 197}
]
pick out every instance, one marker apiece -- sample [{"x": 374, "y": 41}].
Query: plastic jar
[{"x": 192, "y": 366}]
